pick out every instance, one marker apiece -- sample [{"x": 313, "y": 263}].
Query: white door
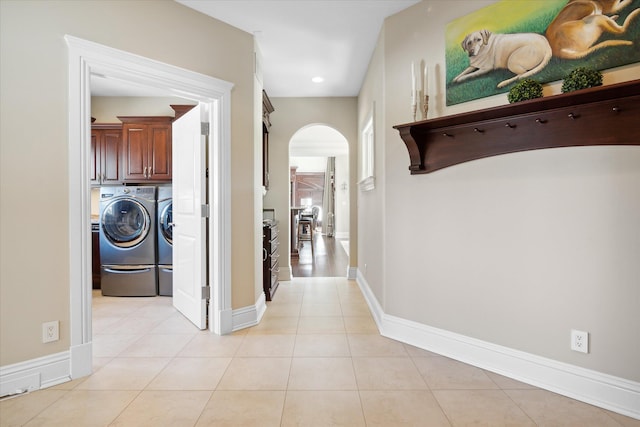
[{"x": 189, "y": 217}]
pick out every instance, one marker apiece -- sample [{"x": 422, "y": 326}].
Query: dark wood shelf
[{"x": 605, "y": 115}]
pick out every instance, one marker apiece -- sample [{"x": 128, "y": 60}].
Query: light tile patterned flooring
[{"x": 316, "y": 359}]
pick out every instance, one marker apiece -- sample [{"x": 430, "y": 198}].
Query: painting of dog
[
  {"x": 581, "y": 23},
  {"x": 490, "y": 50},
  {"x": 524, "y": 54}
]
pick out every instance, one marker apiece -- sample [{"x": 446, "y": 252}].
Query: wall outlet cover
[
  {"x": 579, "y": 341},
  {"x": 50, "y": 331}
]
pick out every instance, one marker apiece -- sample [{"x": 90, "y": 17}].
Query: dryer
[
  {"x": 165, "y": 241},
  {"x": 128, "y": 241}
]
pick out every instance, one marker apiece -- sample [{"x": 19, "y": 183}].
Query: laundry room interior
[{"x": 131, "y": 162}]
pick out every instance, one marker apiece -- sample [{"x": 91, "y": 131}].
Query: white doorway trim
[
  {"x": 319, "y": 139},
  {"x": 86, "y": 58}
]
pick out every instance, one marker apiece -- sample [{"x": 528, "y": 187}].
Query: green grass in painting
[{"x": 536, "y": 19}]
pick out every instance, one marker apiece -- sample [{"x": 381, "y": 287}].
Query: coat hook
[
  {"x": 509, "y": 125},
  {"x": 616, "y": 109},
  {"x": 542, "y": 121},
  {"x": 447, "y": 135},
  {"x": 573, "y": 116},
  {"x": 478, "y": 130}
]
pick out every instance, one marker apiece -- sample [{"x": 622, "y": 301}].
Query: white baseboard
[
  {"x": 35, "y": 374},
  {"x": 285, "y": 274},
  {"x": 225, "y": 322},
  {"x": 246, "y": 317},
  {"x": 81, "y": 360},
  {"x": 341, "y": 235},
  {"x": 596, "y": 388}
]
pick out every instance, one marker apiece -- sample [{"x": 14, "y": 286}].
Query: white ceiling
[{"x": 300, "y": 39}]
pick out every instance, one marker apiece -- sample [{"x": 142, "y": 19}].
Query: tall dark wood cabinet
[
  {"x": 105, "y": 154},
  {"x": 267, "y": 109},
  {"x": 270, "y": 267},
  {"x": 146, "y": 146}
]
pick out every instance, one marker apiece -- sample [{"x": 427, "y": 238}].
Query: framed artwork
[{"x": 490, "y": 50}]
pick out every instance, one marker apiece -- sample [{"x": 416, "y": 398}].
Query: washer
[
  {"x": 165, "y": 241},
  {"x": 128, "y": 241}
]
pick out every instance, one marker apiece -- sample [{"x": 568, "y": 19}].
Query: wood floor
[{"x": 329, "y": 259}]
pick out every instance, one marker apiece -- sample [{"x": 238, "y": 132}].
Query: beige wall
[
  {"x": 290, "y": 115},
  {"x": 34, "y": 264},
  {"x": 371, "y": 244},
  {"x": 516, "y": 249},
  {"x": 106, "y": 109}
]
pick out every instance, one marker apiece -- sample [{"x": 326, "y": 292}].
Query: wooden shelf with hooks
[{"x": 604, "y": 115}]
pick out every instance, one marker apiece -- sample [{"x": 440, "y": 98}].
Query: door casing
[{"x": 86, "y": 58}]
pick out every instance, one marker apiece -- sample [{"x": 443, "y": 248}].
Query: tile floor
[{"x": 316, "y": 359}]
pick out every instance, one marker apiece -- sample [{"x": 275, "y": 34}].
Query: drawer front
[
  {"x": 271, "y": 232},
  {"x": 271, "y": 246}
]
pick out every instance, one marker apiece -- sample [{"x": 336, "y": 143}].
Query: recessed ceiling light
[{"x": 317, "y": 79}]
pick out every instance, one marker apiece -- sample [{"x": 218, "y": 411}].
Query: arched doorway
[{"x": 319, "y": 176}]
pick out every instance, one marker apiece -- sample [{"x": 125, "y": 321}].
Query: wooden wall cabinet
[
  {"x": 105, "y": 154},
  {"x": 146, "y": 148}
]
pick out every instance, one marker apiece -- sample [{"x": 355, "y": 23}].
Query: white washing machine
[
  {"x": 165, "y": 241},
  {"x": 128, "y": 241}
]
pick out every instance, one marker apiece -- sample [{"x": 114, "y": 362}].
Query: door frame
[{"x": 86, "y": 58}]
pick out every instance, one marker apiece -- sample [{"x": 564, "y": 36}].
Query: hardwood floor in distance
[{"x": 330, "y": 259}]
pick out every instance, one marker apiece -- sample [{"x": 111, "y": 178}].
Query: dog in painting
[
  {"x": 580, "y": 24},
  {"x": 524, "y": 54}
]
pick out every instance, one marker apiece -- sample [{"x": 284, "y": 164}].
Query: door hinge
[
  {"x": 204, "y": 211},
  {"x": 204, "y": 129},
  {"x": 205, "y": 292}
]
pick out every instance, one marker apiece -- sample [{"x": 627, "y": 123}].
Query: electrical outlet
[
  {"x": 580, "y": 341},
  {"x": 50, "y": 331}
]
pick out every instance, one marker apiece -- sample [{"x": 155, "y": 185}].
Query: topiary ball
[
  {"x": 581, "y": 78},
  {"x": 524, "y": 90}
]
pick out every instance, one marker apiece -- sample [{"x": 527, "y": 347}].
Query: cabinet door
[
  {"x": 160, "y": 152},
  {"x": 105, "y": 156},
  {"x": 135, "y": 150},
  {"x": 146, "y": 148},
  {"x": 110, "y": 154}
]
